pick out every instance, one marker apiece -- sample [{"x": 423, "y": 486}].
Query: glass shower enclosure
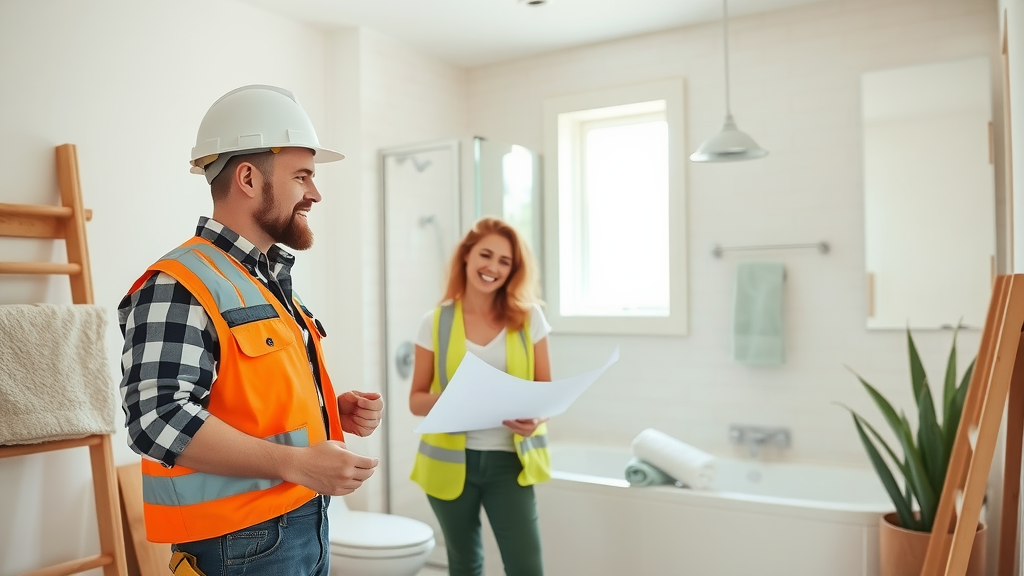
[{"x": 432, "y": 193}]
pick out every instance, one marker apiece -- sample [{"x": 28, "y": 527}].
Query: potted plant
[{"x": 921, "y": 468}]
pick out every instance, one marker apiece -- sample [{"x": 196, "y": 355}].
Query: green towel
[
  {"x": 640, "y": 473},
  {"x": 757, "y": 314}
]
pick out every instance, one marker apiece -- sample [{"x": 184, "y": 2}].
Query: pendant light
[{"x": 730, "y": 144}]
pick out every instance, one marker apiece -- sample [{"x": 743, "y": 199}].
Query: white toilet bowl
[{"x": 371, "y": 544}]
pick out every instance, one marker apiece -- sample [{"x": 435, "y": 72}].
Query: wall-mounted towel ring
[{"x": 718, "y": 250}]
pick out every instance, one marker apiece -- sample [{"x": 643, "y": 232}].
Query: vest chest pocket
[{"x": 263, "y": 337}]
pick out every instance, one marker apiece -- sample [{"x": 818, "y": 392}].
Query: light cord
[{"x": 725, "y": 44}]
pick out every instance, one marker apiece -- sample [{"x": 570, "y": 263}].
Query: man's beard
[{"x": 291, "y": 230}]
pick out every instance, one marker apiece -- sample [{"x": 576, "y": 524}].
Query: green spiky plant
[{"x": 926, "y": 456}]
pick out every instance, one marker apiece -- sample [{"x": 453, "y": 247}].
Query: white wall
[
  {"x": 796, "y": 89},
  {"x": 128, "y": 83},
  {"x": 403, "y": 97}
]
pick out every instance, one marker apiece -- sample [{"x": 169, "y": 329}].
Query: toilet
[{"x": 372, "y": 544}]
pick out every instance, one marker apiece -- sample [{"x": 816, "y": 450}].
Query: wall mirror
[{"x": 929, "y": 194}]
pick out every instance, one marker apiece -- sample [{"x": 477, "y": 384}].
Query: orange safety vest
[{"x": 264, "y": 388}]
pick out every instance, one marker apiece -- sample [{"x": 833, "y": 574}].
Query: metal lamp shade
[{"x": 729, "y": 145}]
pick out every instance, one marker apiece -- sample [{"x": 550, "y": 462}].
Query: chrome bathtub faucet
[{"x": 756, "y": 436}]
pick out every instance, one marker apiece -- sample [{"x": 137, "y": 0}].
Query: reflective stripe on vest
[
  {"x": 238, "y": 300},
  {"x": 444, "y": 331},
  {"x": 533, "y": 442},
  {"x": 442, "y": 454},
  {"x": 199, "y": 487}
]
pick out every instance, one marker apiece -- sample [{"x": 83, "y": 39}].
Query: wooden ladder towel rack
[
  {"x": 997, "y": 382},
  {"x": 67, "y": 222}
]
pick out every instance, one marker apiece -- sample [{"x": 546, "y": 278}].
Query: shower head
[{"x": 419, "y": 165}]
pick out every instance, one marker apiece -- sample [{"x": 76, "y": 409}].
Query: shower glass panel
[
  {"x": 420, "y": 228},
  {"x": 432, "y": 193},
  {"x": 507, "y": 186}
]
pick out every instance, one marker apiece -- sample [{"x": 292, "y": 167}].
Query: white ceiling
[{"x": 474, "y": 32}]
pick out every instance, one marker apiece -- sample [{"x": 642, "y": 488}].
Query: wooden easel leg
[
  {"x": 976, "y": 437},
  {"x": 1011, "y": 474},
  {"x": 938, "y": 551},
  {"x": 987, "y": 430},
  {"x": 108, "y": 507}
]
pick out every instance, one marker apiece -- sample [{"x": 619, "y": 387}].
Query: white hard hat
[{"x": 254, "y": 119}]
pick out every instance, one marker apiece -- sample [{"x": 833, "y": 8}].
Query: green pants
[{"x": 511, "y": 509}]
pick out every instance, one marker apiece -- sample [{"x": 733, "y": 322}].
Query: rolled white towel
[{"x": 689, "y": 465}]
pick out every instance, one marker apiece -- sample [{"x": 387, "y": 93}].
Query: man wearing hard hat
[{"x": 225, "y": 389}]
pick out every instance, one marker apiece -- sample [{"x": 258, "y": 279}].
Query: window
[
  {"x": 615, "y": 211},
  {"x": 518, "y": 205}
]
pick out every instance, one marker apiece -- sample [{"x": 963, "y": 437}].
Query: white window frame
[{"x": 562, "y": 118}]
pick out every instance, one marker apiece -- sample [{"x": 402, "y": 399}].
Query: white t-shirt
[{"x": 493, "y": 353}]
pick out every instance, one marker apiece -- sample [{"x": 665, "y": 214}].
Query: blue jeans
[{"x": 293, "y": 544}]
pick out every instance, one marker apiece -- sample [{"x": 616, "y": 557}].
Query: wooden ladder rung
[
  {"x": 40, "y": 268},
  {"x": 9, "y": 451},
  {"x": 74, "y": 566},
  {"x": 33, "y": 221},
  {"x": 39, "y": 211}
]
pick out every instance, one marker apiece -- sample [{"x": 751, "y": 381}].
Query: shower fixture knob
[{"x": 405, "y": 358}]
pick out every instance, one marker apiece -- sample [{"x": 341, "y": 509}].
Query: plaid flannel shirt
[{"x": 169, "y": 362}]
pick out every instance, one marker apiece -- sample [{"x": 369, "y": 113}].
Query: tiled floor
[{"x": 433, "y": 571}]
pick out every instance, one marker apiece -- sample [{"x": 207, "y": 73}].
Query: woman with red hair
[{"x": 490, "y": 308}]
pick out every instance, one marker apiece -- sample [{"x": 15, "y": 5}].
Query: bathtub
[{"x": 760, "y": 519}]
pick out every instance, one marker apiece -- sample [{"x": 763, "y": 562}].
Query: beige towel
[{"x": 55, "y": 381}]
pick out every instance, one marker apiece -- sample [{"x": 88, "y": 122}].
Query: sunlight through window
[{"x": 615, "y": 230}]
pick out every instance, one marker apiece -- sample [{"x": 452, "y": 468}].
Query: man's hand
[
  {"x": 329, "y": 468},
  {"x": 360, "y": 412},
  {"x": 525, "y": 427}
]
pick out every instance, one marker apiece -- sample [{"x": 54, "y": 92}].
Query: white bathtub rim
[
  {"x": 866, "y": 515},
  {"x": 882, "y": 508}
]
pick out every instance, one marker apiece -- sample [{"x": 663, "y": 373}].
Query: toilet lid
[
  {"x": 373, "y": 531},
  {"x": 419, "y": 551}
]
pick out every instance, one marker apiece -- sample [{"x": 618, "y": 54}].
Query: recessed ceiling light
[{"x": 534, "y": 2}]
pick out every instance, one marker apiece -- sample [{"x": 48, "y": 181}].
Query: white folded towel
[
  {"x": 55, "y": 381},
  {"x": 694, "y": 468}
]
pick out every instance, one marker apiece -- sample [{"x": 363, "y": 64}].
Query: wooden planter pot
[{"x": 901, "y": 551}]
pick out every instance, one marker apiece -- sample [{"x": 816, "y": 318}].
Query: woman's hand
[{"x": 525, "y": 427}]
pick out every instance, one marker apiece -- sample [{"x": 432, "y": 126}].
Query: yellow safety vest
[{"x": 440, "y": 467}]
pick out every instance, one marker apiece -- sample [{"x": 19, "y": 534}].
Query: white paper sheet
[{"x": 480, "y": 396}]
